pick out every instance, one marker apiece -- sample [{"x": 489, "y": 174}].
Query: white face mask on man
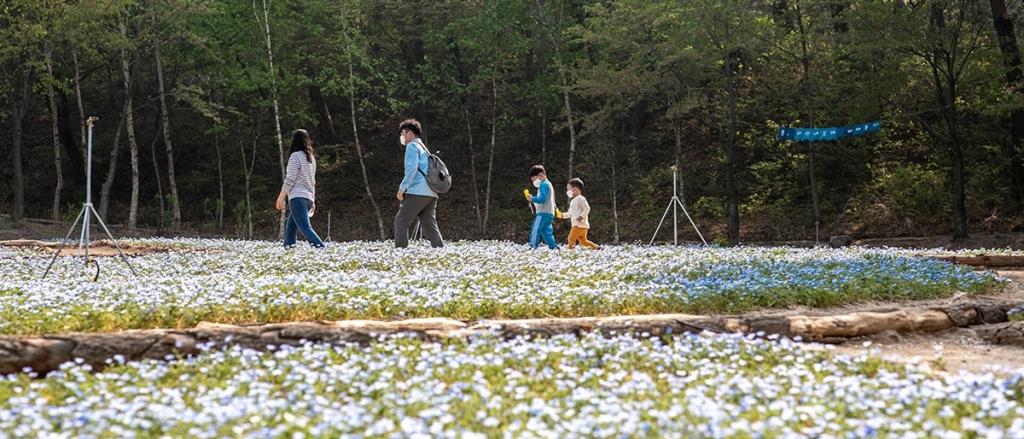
[{"x": 401, "y": 139}]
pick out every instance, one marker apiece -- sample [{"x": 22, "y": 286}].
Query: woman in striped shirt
[{"x": 300, "y": 189}]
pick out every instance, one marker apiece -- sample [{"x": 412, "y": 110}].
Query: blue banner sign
[{"x": 826, "y": 134}]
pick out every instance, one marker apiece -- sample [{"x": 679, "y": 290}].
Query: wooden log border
[{"x": 42, "y": 354}]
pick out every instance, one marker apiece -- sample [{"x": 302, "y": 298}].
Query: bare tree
[
  {"x": 247, "y": 166},
  {"x": 55, "y": 125},
  {"x": 133, "y": 209},
  {"x": 490, "y": 160},
  {"x": 220, "y": 186},
  {"x": 81, "y": 107},
  {"x": 472, "y": 170},
  {"x": 108, "y": 182},
  {"x": 265, "y": 23},
  {"x": 166, "y": 128},
  {"x": 564, "y": 81},
  {"x": 159, "y": 182},
  {"x": 543, "y": 137},
  {"x": 19, "y": 101},
  {"x": 359, "y": 146},
  {"x": 808, "y": 96},
  {"x": 568, "y": 116}
]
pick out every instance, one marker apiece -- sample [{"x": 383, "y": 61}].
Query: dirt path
[{"x": 952, "y": 350}]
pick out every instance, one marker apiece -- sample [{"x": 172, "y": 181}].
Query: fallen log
[
  {"x": 43, "y": 354},
  {"x": 28, "y": 243},
  {"x": 983, "y": 260},
  {"x": 98, "y": 248}
]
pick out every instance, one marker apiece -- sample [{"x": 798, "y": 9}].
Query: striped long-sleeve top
[{"x": 300, "y": 179}]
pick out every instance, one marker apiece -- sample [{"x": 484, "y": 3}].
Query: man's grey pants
[{"x": 422, "y": 208}]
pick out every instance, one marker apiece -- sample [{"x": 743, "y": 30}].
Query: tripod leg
[
  {"x": 81, "y": 235},
  {"x": 113, "y": 241},
  {"x": 64, "y": 242},
  {"x": 85, "y": 234},
  {"x": 663, "y": 216},
  {"x": 691, "y": 222}
]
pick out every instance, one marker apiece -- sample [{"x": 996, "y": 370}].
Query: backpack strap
[{"x": 422, "y": 149}]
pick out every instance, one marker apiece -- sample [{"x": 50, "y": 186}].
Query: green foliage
[
  {"x": 638, "y": 75},
  {"x": 899, "y": 196}
]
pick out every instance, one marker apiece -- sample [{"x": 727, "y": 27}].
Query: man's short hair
[
  {"x": 576, "y": 183},
  {"x": 411, "y": 125},
  {"x": 537, "y": 170}
]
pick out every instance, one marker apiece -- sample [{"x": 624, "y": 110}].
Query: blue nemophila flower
[
  {"x": 218, "y": 278},
  {"x": 719, "y": 386},
  {"x": 682, "y": 386}
]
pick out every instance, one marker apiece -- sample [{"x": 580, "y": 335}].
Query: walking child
[
  {"x": 544, "y": 206},
  {"x": 579, "y": 215}
]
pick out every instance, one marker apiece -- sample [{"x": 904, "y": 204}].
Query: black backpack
[{"x": 437, "y": 175}]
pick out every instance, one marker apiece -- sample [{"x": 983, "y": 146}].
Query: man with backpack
[{"x": 425, "y": 177}]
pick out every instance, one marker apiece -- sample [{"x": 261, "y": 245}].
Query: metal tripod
[
  {"x": 84, "y": 215},
  {"x": 672, "y": 204}
]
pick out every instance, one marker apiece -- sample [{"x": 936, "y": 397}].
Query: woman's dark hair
[
  {"x": 537, "y": 170},
  {"x": 576, "y": 183},
  {"x": 302, "y": 142},
  {"x": 411, "y": 125}
]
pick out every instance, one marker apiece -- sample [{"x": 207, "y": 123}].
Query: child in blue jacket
[{"x": 544, "y": 206}]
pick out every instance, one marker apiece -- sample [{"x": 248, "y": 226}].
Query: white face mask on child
[
  {"x": 536, "y": 183},
  {"x": 568, "y": 194}
]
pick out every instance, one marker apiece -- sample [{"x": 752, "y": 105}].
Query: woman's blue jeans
[{"x": 298, "y": 220}]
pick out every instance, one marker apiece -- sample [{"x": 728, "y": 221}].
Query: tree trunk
[
  {"x": 81, "y": 107},
  {"x": 247, "y": 167},
  {"x": 815, "y": 208},
  {"x": 359, "y": 147},
  {"x": 543, "y": 138},
  {"x": 165, "y": 121},
  {"x": 943, "y": 66},
  {"x": 55, "y": 125},
  {"x": 273, "y": 94},
  {"x": 19, "y": 106},
  {"x": 732, "y": 193},
  {"x": 1015, "y": 80},
  {"x": 133, "y": 146},
  {"x": 73, "y": 160},
  {"x": 490, "y": 159},
  {"x": 808, "y": 90},
  {"x": 959, "y": 178},
  {"x": 572, "y": 124},
  {"x": 615, "y": 205},
  {"x": 220, "y": 186},
  {"x": 472, "y": 171},
  {"x": 108, "y": 182},
  {"x": 159, "y": 182},
  {"x": 329, "y": 135}
]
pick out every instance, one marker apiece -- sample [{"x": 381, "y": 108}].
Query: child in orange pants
[{"x": 579, "y": 214}]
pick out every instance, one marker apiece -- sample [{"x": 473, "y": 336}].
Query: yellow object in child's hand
[
  {"x": 558, "y": 214},
  {"x": 526, "y": 193}
]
